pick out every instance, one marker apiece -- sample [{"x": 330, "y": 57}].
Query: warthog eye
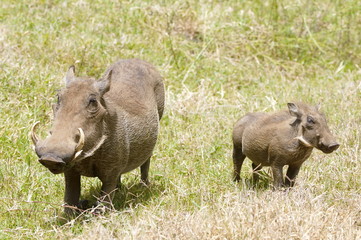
[
  {"x": 310, "y": 120},
  {"x": 92, "y": 105}
]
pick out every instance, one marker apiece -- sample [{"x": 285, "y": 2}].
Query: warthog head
[
  {"x": 77, "y": 130},
  {"x": 312, "y": 127}
]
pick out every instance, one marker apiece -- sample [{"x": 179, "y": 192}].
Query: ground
[{"x": 219, "y": 60}]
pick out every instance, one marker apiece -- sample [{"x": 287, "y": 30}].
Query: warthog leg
[
  {"x": 256, "y": 168},
  {"x": 277, "y": 176},
  {"x": 108, "y": 189},
  {"x": 238, "y": 158},
  {"x": 144, "y": 169},
  {"x": 292, "y": 172},
  {"x": 72, "y": 189}
]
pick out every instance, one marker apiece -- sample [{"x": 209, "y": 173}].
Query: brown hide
[
  {"x": 281, "y": 138},
  {"x": 104, "y": 128}
]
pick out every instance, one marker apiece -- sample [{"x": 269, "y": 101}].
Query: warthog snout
[
  {"x": 327, "y": 142},
  {"x": 329, "y": 148},
  {"x": 54, "y": 164},
  {"x": 54, "y": 153}
]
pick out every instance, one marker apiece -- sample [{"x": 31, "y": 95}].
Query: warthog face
[
  {"x": 77, "y": 130},
  {"x": 313, "y": 129}
]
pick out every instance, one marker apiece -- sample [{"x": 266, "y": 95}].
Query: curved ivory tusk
[
  {"x": 91, "y": 151},
  {"x": 33, "y": 135},
  {"x": 304, "y": 141},
  {"x": 77, "y": 154},
  {"x": 80, "y": 144}
]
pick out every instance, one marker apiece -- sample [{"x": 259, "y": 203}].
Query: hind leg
[
  {"x": 255, "y": 174},
  {"x": 144, "y": 169},
  {"x": 238, "y": 158}
]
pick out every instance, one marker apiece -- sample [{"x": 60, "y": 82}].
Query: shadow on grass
[
  {"x": 264, "y": 182},
  {"x": 126, "y": 196}
]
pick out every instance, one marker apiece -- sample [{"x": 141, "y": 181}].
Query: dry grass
[
  {"x": 220, "y": 60},
  {"x": 297, "y": 214}
]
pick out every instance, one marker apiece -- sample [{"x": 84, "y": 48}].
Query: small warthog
[
  {"x": 103, "y": 128},
  {"x": 278, "y": 139}
]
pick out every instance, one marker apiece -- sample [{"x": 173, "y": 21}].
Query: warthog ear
[
  {"x": 318, "y": 107},
  {"x": 294, "y": 111},
  {"x": 103, "y": 84},
  {"x": 70, "y": 75}
]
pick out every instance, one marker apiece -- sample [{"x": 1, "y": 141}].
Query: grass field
[{"x": 220, "y": 60}]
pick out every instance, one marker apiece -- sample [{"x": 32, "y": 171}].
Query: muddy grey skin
[
  {"x": 279, "y": 139},
  {"x": 103, "y": 128}
]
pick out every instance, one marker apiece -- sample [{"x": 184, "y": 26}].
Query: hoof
[
  {"x": 83, "y": 204},
  {"x": 144, "y": 183},
  {"x": 100, "y": 208}
]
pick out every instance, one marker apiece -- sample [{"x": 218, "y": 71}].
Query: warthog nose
[{"x": 54, "y": 164}]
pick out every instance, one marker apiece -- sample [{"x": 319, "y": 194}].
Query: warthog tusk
[
  {"x": 77, "y": 154},
  {"x": 33, "y": 135},
  {"x": 304, "y": 141},
  {"x": 91, "y": 151},
  {"x": 80, "y": 144}
]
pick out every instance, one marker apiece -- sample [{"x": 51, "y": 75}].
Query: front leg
[
  {"x": 72, "y": 190},
  {"x": 108, "y": 189},
  {"x": 277, "y": 176}
]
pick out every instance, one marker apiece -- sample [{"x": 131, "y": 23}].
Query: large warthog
[
  {"x": 103, "y": 128},
  {"x": 279, "y": 139}
]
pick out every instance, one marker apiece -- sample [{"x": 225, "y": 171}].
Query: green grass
[{"x": 219, "y": 59}]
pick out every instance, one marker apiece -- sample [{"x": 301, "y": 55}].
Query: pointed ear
[
  {"x": 318, "y": 107},
  {"x": 294, "y": 111},
  {"x": 70, "y": 75},
  {"x": 103, "y": 84}
]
